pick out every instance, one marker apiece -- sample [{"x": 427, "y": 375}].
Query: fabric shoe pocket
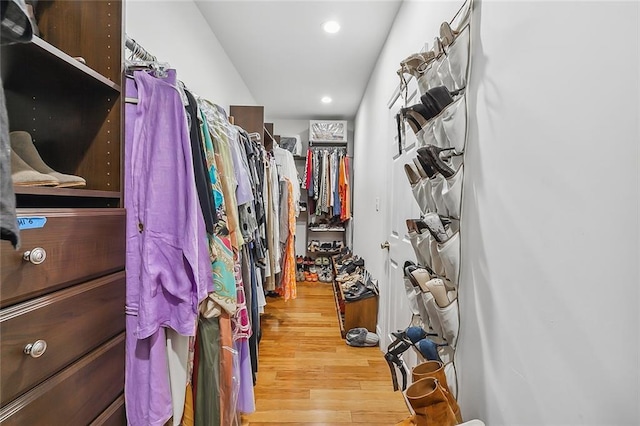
[
  {"x": 449, "y": 255},
  {"x": 422, "y": 194},
  {"x": 458, "y": 59},
  {"x": 452, "y": 193},
  {"x": 437, "y": 185},
  {"x": 454, "y": 124},
  {"x": 449, "y": 322}
]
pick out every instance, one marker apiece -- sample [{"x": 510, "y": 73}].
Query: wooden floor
[{"x": 307, "y": 375}]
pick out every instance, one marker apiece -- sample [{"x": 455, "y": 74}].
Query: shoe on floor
[{"x": 361, "y": 337}]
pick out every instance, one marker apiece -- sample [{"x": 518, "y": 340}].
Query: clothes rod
[{"x": 137, "y": 50}]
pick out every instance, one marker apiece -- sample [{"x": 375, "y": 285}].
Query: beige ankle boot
[
  {"x": 23, "y": 175},
  {"x": 22, "y": 144},
  {"x": 435, "y": 369}
]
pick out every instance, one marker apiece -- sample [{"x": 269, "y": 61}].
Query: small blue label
[{"x": 32, "y": 222}]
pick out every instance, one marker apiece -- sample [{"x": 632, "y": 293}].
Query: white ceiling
[{"x": 289, "y": 63}]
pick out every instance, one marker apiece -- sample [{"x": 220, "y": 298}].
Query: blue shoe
[{"x": 429, "y": 349}]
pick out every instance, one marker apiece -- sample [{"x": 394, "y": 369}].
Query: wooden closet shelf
[
  {"x": 65, "y": 192},
  {"x": 40, "y": 58}
]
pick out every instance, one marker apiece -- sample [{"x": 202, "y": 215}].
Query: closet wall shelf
[
  {"x": 65, "y": 192},
  {"x": 43, "y": 197},
  {"x": 42, "y": 59},
  {"x": 313, "y": 229}
]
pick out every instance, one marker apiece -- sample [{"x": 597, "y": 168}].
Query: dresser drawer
[
  {"x": 76, "y": 395},
  {"x": 72, "y": 322},
  {"x": 79, "y": 244},
  {"x": 114, "y": 415}
]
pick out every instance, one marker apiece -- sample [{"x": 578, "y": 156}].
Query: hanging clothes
[
  {"x": 288, "y": 290},
  {"x": 326, "y": 180},
  {"x": 345, "y": 193},
  {"x": 165, "y": 283},
  {"x": 225, "y": 209},
  {"x": 223, "y": 295}
]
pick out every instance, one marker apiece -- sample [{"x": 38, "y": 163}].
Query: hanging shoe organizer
[{"x": 440, "y": 123}]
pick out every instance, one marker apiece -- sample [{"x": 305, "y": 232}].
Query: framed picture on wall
[{"x": 327, "y": 131}]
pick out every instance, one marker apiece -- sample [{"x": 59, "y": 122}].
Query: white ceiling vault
[{"x": 287, "y": 60}]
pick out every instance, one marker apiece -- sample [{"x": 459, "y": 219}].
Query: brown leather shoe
[
  {"x": 430, "y": 403},
  {"x": 435, "y": 369}
]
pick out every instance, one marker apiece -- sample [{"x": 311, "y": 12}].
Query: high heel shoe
[
  {"x": 421, "y": 272},
  {"x": 420, "y": 163},
  {"x": 429, "y": 349},
  {"x": 412, "y": 173},
  {"x": 431, "y": 154},
  {"x": 415, "y": 64},
  {"x": 436, "y": 227},
  {"x": 437, "y": 99},
  {"x": 447, "y": 34},
  {"x": 418, "y": 115},
  {"x": 439, "y": 291}
]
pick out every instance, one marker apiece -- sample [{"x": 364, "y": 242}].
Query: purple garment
[
  {"x": 146, "y": 384},
  {"x": 168, "y": 266},
  {"x": 246, "y": 400}
]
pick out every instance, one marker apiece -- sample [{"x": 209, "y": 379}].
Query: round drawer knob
[
  {"x": 35, "y": 256},
  {"x": 36, "y": 349}
]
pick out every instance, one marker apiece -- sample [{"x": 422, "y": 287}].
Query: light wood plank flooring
[{"x": 307, "y": 375}]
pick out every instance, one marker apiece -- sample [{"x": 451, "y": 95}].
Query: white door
[{"x": 400, "y": 205}]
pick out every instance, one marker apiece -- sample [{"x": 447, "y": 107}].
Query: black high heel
[
  {"x": 418, "y": 115},
  {"x": 431, "y": 154},
  {"x": 437, "y": 99},
  {"x": 426, "y": 167}
]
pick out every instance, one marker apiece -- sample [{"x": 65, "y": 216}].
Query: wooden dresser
[{"x": 62, "y": 294}]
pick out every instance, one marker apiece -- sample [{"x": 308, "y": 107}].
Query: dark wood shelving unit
[
  {"x": 48, "y": 62},
  {"x": 64, "y": 290},
  {"x": 359, "y": 313}
]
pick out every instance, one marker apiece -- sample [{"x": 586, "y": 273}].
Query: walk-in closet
[{"x": 385, "y": 213}]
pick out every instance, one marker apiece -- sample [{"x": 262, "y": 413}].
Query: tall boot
[
  {"x": 435, "y": 369},
  {"x": 429, "y": 401}
]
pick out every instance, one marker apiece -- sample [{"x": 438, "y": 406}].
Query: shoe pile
[
  {"x": 300, "y": 269},
  {"x": 363, "y": 288},
  {"x": 316, "y": 246}
]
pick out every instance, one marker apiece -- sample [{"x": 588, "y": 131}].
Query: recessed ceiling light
[
  {"x": 331, "y": 27},
  {"x": 326, "y": 100}
]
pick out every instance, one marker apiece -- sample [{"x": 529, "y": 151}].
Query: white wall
[
  {"x": 175, "y": 32},
  {"x": 549, "y": 287}
]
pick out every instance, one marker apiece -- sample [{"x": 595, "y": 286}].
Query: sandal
[
  {"x": 415, "y": 64},
  {"x": 447, "y": 34}
]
